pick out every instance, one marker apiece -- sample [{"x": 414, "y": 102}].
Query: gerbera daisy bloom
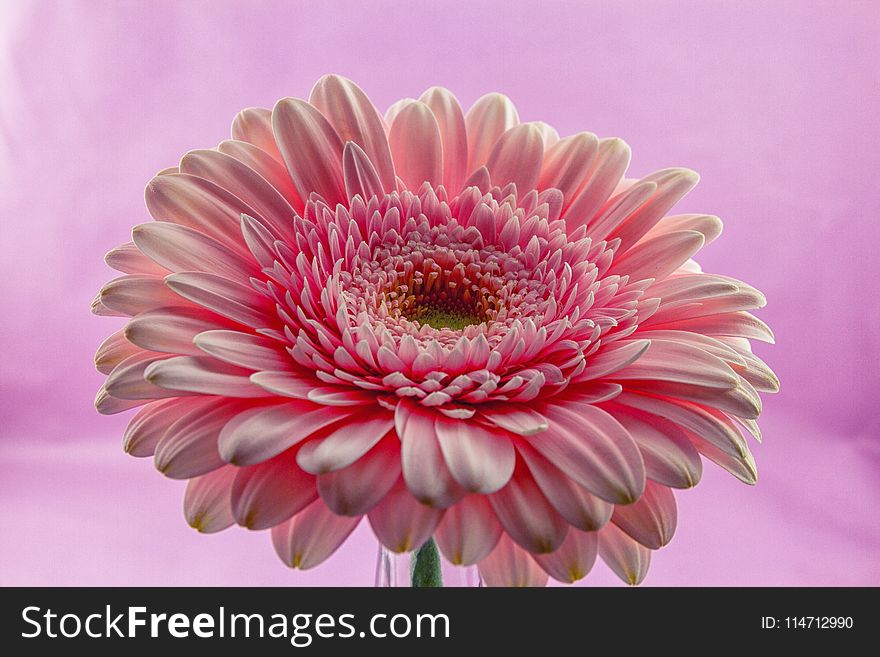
[{"x": 457, "y": 325}]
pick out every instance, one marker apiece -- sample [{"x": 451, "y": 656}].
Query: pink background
[{"x": 774, "y": 103}]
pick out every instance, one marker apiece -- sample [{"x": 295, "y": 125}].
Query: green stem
[{"x": 426, "y": 566}]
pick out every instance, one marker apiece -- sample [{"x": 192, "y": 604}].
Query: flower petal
[
  {"x": 269, "y": 493},
  {"x": 147, "y": 427},
  {"x": 627, "y": 558},
  {"x": 453, "y": 135},
  {"x": 518, "y": 419},
  {"x": 417, "y": 146},
  {"x": 311, "y": 536},
  {"x": 516, "y": 158},
  {"x": 128, "y": 259},
  {"x": 400, "y": 522},
  {"x": 227, "y": 298},
  {"x": 592, "y": 448},
  {"x": 206, "y": 503},
  {"x": 359, "y": 174},
  {"x": 567, "y": 164},
  {"x": 526, "y": 515},
  {"x": 606, "y": 170},
  {"x": 480, "y": 459},
  {"x": 270, "y": 168},
  {"x": 136, "y": 293},
  {"x": 244, "y": 183},
  {"x": 311, "y": 148},
  {"x": 424, "y": 469},
  {"x": 487, "y": 119},
  {"x": 574, "y": 559},
  {"x": 355, "y": 489},
  {"x": 355, "y": 119},
  {"x": 254, "y": 126},
  {"x": 670, "y": 457},
  {"x": 259, "y": 434},
  {"x": 253, "y": 352},
  {"x": 652, "y": 519},
  {"x": 202, "y": 375},
  {"x": 178, "y": 248},
  {"x": 347, "y": 443},
  {"x": 510, "y": 565},
  {"x": 659, "y": 256},
  {"x": 573, "y": 502},
  {"x": 188, "y": 447},
  {"x": 469, "y": 531}
]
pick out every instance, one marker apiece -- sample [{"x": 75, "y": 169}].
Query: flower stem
[{"x": 426, "y": 566}]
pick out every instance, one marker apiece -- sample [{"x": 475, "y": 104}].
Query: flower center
[{"x": 445, "y": 316}]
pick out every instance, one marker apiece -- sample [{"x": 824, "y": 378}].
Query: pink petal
[
  {"x": 453, "y": 135},
  {"x": 652, "y": 519},
  {"x": 284, "y": 384},
  {"x": 311, "y": 536},
  {"x": 253, "y": 352},
  {"x": 400, "y": 522},
  {"x": 658, "y": 257},
  {"x": 592, "y": 448},
  {"x": 574, "y": 559},
  {"x": 416, "y": 145},
  {"x": 527, "y": 516},
  {"x": 619, "y": 208},
  {"x": 479, "y": 458},
  {"x": 227, "y": 298},
  {"x": 244, "y": 183},
  {"x": 254, "y": 126},
  {"x": 736, "y": 324},
  {"x": 136, "y": 293},
  {"x": 670, "y": 458},
  {"x": 128, "y": 259},
  {"x": 346, "y": 444},
  {"x": 178, "y": 248},
  {"x": 359, "y": 174},
  {"x": 516, "y": 158},
  {"x": 199, "y": 204},
  {"x": 311, "y": 148},
  {"x": 510, "y": 565},
  {"x": 171, "y": 330},
  {"x": 628, "y": 559},
  {"x": 206, "y": 503},
  {"x": 355, "y": 119},
  {"x": 113, "y": 351},
  {"x": 710, "y": 226},
  {"x": 678, "y": 362},
  {"x": 742, "y": 466},
  {"x": 711, "y": 425},
  {"x": 672, "y": 185},
  {"x": 149, "y": 424},
  {"x": 612, "y": 358},
  {"x": 355, "y": 489},
  {"x": 127, "y": 380},
  {"x": 549, "y": 134},
  {"x": 469, "y": 531},
  {"x": 203, "y": 375},
  {"x": 573, "y": 502},
  {"x": 607, "y": 169},
  {"x": 487, "y": 119},
  {"x": 269, "y": 493},
  {"x": 567, "y": 164},
  {"x": 424, "y": 469},
  {"x": 516, "y": 418},
  {"x": 259, "y": 434},
  {"x": 189, "y": 446},
  {"x": 270, "y": 168}
]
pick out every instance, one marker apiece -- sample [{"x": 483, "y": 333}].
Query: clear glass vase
[{"x": 396, "y": 570}]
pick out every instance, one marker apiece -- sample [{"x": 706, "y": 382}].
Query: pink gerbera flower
[{"x": 457, "y": 325}]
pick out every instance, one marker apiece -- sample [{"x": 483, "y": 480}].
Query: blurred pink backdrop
[{"x": 774, "y": 103}]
